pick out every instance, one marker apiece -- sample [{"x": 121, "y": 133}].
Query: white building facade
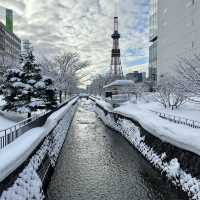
[{"x": 178, "y": 33}]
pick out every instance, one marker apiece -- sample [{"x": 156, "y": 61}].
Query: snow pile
[
  {"x": 171, "y": 169},
  {"x": 40, "y": 85}
]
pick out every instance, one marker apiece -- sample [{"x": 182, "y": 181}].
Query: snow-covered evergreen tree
[{"x": 25, "y": 89}]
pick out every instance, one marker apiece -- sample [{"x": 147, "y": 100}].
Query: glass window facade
[
  {"x": 153, "y": 20},
  {"x": 153, "y": 52},
  {"x": 153, "y": 33},
  {"x": 153, "y": 61},
  {"x": 2, "y": 38}
]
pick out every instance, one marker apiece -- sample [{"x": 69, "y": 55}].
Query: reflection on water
[{"x": 97, "y": 163}]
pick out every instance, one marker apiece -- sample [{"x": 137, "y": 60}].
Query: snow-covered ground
[
  {"x": 178, "y": 135},
  {"x": 5, "y": 123},
  {"x": 14, "y": 154},
  {"x": 2, "y": 102},
  {"x": 190, "y": 110}
]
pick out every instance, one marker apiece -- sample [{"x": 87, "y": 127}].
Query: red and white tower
[{"x": 116, "y": 68}]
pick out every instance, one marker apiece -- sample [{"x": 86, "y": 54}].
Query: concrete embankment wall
[
  {"x": 34, "y": 173},
  {"x": 181, "y": 167},
  {"x": 189, "y": 161}
]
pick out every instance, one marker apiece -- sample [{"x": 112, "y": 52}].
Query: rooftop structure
[{"x": 10, "y": 44}]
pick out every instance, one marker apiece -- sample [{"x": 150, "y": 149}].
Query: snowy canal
[{"x": 98, "y": 163}]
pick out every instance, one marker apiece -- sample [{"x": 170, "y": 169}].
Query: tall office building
[
  {"x": 153, "y": 38},
  {"x": 178, "y": 33},
  {"x": 10, "y": 44},
  {"x": 9, "y": 20}
]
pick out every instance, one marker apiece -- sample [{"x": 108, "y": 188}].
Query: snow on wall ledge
[
  {"x": 171, "y": 169},
  {"x": 29, "y": 185},
  {"x": 181, "y": 136},
  {"x": 14, "y": 154}
]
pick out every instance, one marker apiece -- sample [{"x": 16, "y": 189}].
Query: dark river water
[{"x": 97, "y": 163}]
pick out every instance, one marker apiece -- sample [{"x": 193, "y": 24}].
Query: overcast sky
[{"x": 84, "y": 26}]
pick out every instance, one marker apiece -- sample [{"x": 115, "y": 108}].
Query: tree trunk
[
  {"x": 29, "y": 114},
  {"x": 60, "y": 96}
]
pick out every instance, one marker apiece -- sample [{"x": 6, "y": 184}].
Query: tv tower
[{"x": 115, "y": 67}]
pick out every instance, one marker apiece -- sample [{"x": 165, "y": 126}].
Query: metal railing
[
  {"x": 172, "y": 118},
  {"x": 178, "y": 119},
  {"x": 45, "y": 169},
  {"x": 9, "y": 134}
]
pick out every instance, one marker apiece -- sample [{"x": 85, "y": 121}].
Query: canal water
[{"x": 97, "y": 163}]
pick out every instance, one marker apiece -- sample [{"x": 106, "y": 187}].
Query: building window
[{"x": 153, "y": 19}]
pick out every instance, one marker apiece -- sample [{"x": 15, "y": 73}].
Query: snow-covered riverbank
[
  {"x": 179, "y": 135},
  {"x": 172, "y": 169},
  {"x": 14, "y": 154}
]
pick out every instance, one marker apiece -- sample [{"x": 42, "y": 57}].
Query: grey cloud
[
  {"x": 17, "y": 5},
  {"x": 84, "y": 26}
]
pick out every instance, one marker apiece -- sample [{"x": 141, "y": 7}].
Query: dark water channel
[{"x": 96, "y": 163}]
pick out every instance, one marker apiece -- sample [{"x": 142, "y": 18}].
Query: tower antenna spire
[
  {"x": 115, "y": 67},
  {"x": 116, "y": 8}
]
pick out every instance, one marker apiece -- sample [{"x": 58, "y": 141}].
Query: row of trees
[
  {"x": 174, "y": 91},
  {"x": 97, "y": 84},
  {"x": 30, "y": 86}
]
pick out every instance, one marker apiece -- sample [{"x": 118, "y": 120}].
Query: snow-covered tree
[
  {"x": 139, "y": 89},
  {"x": 189, "y": 75},
  {"x": 25, "y": 89},
  {"x": 97, "y": 84},
  {"x": 65, "y": 70},
  {"x": 169, "y": 92}
]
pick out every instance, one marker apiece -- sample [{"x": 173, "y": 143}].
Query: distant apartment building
[
  {"x": 178, "y": 34},
  {"x": 10, "y": 44},
  {"x": 153, "y": 38},
  {"x": 136, "y": 76}
]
